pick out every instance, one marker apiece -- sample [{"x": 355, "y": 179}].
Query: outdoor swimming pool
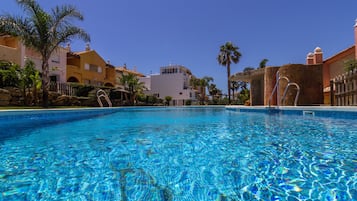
[{"x": 177, "y": 154}]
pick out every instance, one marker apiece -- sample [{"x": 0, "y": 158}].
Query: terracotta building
[
  {"x": 88, "y": 67},
  {"x": 335, "y": 65}
]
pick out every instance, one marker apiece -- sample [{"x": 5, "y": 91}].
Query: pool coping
[
  {"x": 314, "y": 108},
  {"x": 337, "y": 112}
]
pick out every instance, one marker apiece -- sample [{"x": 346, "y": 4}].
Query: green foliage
[
  {"x": 263, "y": 63},
  {"x": 115, "y": 94},
  {"x": 247, "y": 69},
  {"x": 132, "y": 84},
  {"x": 243, "y": 96},
  {"x": 188, "y": 102},
  {"x": 228, "y": 54},
  {"x": 36, "y": 80},
  {"x": 43, "y": 31},
  {"x": 82, "y": 90},
  {"x": 8, "y": 74},
  {"x": 168, "y": 99},
  {"x": 350, "y": 65},
  {"x": 202, "y": 85}
]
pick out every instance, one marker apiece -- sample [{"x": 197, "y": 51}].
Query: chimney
[
  {"x": 310, "y": 58},
  {"x": 356, "y": 39},
  {"x": 68, "y": 47},
  {"x": 318, "y": 59},
  {"x": 87, "y": 47}
]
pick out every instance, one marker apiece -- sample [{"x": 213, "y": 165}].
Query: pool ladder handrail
[
  {"x": 286, "y": 90},
  {"x": 101, "y": 93},
  {"x": 278, "y": 78}
]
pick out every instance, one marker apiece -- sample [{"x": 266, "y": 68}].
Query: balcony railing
[{"x": 63, "y": 88}]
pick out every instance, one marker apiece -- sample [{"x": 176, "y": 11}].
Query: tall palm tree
[
  {"x": 228, "y": 54},
  {"x": 43, "y": 32}
]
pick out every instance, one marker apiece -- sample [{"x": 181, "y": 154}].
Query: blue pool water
[{"x": 177, "y": 154}]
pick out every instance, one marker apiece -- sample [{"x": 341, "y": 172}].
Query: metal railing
[
  {"x": 286, "y": 90},
  {"x": 282, "y": 100},
  {"x": 63, "y": 88},
  {"x": 101, "y": 94}
]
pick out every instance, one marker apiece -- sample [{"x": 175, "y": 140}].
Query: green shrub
[{"x": 82, "y": 90}]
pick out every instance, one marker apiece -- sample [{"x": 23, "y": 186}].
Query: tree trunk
[
  {"x": 228, "y": 81},
  {"x": 233, "y": 93},
  {"x": 45, "y": 82}
]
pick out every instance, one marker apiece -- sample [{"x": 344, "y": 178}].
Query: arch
[
  {"x": 72, "y": 79},
  {"x": 108, "y": 84}
]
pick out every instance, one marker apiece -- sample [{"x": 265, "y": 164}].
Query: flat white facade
[{"x": 172, "y": 81}]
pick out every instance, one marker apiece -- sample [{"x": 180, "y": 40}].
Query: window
[
  {"x": 56, "y": 59},
  {"x": 93, "y": 68}
]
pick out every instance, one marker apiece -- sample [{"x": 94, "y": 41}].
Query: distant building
[
  {"x": 88, "y": 67},
  {"x": 12, "y": 50},
  {"x": 123, "y": 70},
  {"x": 174, "y": 81}
]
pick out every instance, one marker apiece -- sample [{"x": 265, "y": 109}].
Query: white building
[{"x": 174, "y": 81}]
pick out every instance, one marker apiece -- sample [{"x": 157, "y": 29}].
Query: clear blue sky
[{"x": 149, "y": 34}]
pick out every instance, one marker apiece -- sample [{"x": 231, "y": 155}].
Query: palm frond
[{"x": 61, "y": 16}]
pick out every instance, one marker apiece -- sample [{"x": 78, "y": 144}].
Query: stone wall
[
  {"x": 309, "y": 78},
  {"x": 269, "y": 83},
  {"x": 257, "y": 90}
]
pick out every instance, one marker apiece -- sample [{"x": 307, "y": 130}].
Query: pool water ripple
[{"x": 201, "y": 154}]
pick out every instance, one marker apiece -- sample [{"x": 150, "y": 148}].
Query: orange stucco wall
[
  {"x": 76, "y": 68},
  {"x": 10, "y": 50},
  {"x": 334, "y": 66}
]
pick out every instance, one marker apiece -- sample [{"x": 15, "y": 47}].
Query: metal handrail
[
  {"x": 286, "y": 90},
  {"x": 278, "y": 78},
  {"x": 101, "y": 93}
]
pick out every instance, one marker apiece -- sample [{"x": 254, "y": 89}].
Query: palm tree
[
  {"x": 132, "y": 84},
  {"x": 228, "y": 54},
  {"x": 214, "y": 92},
  {"x": 235, "y": 87},
  {"x": 247, "y": 69},
  {"x": 43, "y": 32},
  {"x": 168, "y": 100},
  {"x": 202, "y": 84},
  {"x": 263, "y": 63}
]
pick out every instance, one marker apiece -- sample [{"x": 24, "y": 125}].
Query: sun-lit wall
[
  {"x": 11, "y": 50},
  {"x": 88, "y": 67}
]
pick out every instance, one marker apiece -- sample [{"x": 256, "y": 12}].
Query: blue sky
[{"x": 150, "y": 34}]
